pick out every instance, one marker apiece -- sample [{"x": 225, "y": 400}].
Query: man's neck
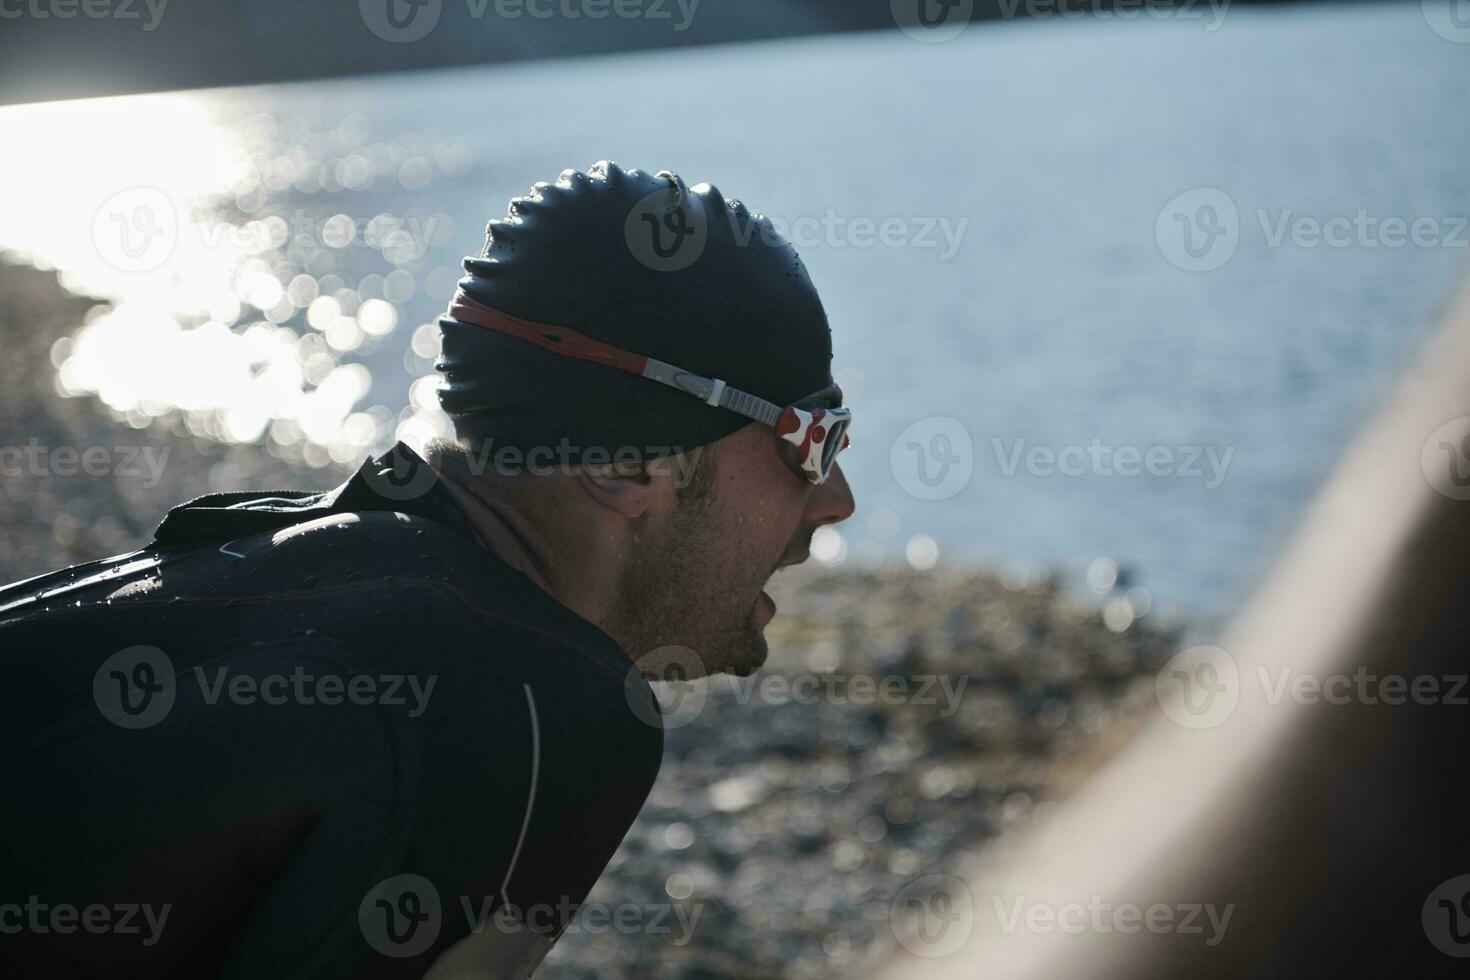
[{"x": 568, "y": 575}]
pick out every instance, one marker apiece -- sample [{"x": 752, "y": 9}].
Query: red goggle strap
[
  {"x": 559, "y": 340},
  {"x": 797, "y": 426},
  {"x": 570, "y": 343}
]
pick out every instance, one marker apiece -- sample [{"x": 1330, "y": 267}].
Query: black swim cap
[{"x": 642, "y": 262}]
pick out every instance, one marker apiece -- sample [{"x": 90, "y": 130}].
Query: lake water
[{"x": 1044, "y": 370}]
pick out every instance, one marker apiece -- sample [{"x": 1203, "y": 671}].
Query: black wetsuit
[{"x": 331, "y": 732}]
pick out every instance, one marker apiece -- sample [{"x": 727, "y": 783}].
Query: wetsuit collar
[{"x": 398, "y": 480}]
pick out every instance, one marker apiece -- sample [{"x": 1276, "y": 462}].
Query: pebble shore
[{"x": 791, "y": 813}]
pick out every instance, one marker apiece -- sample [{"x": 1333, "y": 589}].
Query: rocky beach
[
  {"x": 796, "y": 807},
  {"x": 906, "y": 721}
]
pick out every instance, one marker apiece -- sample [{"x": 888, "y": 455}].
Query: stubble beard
[{"x": 677, "y": 594}]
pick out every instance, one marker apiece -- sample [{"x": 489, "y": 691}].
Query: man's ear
[{"x": 632, "y": 488}]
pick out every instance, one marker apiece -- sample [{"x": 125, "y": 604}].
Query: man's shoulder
[
  {"x": 381, "y": 553},
  {"x": 387, "y": 592},
  {"x": 425, "y": 597},
  {"x": 362, "y": 527},
  {"x": 414, "y": 583}
]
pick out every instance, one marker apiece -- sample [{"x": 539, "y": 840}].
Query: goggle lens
[
  {"x": 835, "y": 442},
  {"x": 812, "y": 440}
]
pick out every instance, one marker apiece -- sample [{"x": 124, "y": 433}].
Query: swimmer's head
[
  {"x": 673, "y": 546},
  {"x": 643, "y": 262}
]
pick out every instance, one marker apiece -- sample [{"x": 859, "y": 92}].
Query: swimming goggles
[{"x": 811, "y": 431}]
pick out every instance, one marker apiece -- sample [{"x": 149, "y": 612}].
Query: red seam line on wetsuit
[{"x": 464, "y": 599}]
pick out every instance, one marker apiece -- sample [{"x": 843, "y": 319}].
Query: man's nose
[{"x": 831, "y": 502}]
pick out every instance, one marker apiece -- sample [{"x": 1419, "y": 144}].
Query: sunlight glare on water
[{"x": 229, "y": 313}]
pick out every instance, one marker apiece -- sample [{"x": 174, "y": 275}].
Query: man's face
[{"x": 699, "y": 579}]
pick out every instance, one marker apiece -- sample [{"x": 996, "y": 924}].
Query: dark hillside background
[{"x": 61, "y": 49}]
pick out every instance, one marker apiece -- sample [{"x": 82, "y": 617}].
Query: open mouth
[{"x": 794, "y": 561}]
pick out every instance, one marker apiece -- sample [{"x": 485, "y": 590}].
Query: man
[{"x": 401, "y": 726}]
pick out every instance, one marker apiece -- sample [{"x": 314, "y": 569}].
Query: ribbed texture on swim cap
[{"x": 648, "y": 264}]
